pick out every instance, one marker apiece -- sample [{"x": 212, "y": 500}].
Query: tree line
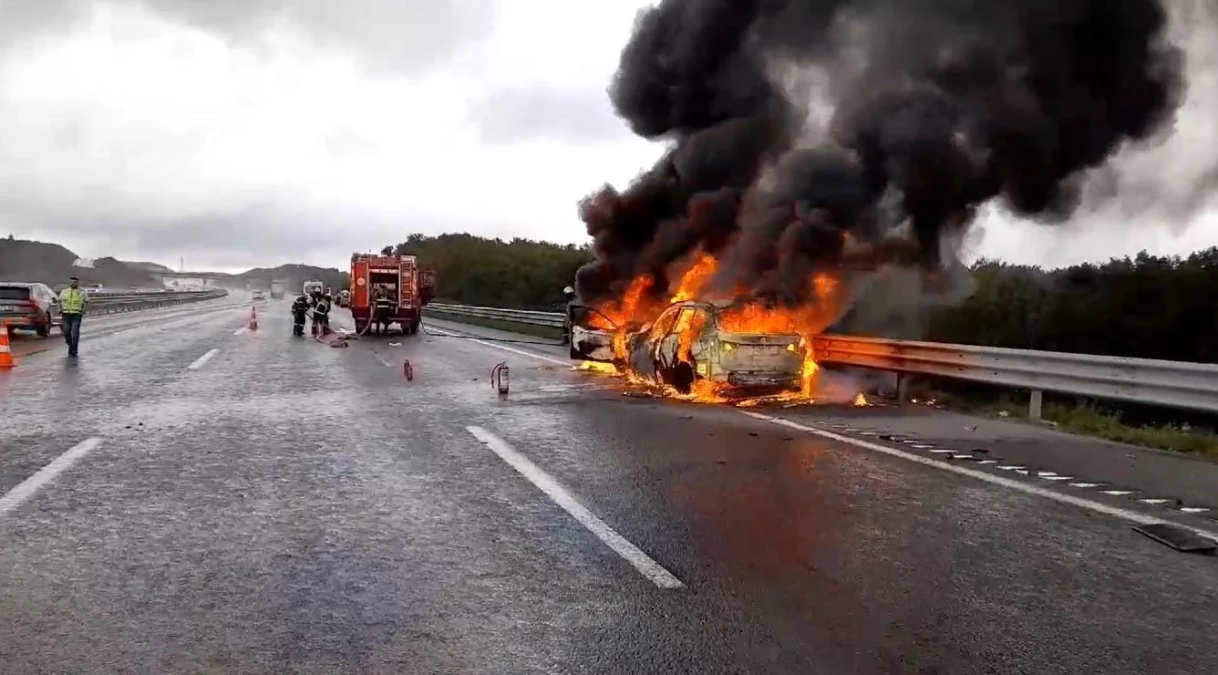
[
  {"x": 518, "y": 274},
  {"x": 1147, "y": 306}
]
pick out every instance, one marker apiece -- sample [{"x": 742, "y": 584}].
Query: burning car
[{"x": 691, "y": 342}]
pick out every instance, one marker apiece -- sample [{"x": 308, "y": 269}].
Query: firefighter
[
  {"x": 300, "y": 310},
  {"x": 321, "y": 314},
  {"x": 382, "y": 306},
  {"x": 569, "y": 294}
]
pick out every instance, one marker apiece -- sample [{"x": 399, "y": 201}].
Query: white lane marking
[
  {"x": 202, "y": 360},
  {"x": 1118, "y": 493},
  {"x": 1028, "y": 488},
  {"x": 1194, "y": 509},
  {"x": 544, "y": 482},
  {"x": 380, "y": 358},
  {"x": 46, "y": 474},
  {"x": 240, "y": 330},
  {"x": 1086, "y": 485},
  {"x": 484, "y": 343}
]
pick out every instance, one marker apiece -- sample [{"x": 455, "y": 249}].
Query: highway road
[{"x": 192, "y": 497}]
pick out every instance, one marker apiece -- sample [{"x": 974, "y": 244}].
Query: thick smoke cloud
[{"x": 935, "y": 107}]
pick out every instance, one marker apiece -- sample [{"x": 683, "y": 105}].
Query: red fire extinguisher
[{"x": 499, "y": 378}]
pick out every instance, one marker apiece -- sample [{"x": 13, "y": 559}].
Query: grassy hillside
[
  {"x": 295, "y": 275},
  {"x": 24, "y": 260},
  {"x": 52, "y": 264}
]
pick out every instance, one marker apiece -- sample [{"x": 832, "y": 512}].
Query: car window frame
[
  {"x": 678, "y": 326},
  {"x": 29, "y": 288},
  {"x": 656, "y": 333}
]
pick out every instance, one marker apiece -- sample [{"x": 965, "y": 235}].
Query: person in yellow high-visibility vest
[{"x": 72, "y": 301}]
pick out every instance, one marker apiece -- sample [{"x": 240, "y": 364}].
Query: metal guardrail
[
  {"x": 1174, "y": 384},
  {"x": 530, "y": 318},
  {"x": 114, "y": 303}
]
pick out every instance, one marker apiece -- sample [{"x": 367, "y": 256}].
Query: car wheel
[
  {"x": 683, "y": 377},
  {"x": 43, "y": 330}
]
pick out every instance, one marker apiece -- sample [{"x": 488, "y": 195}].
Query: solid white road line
[
  {"x": 46, "y": 474},
  {"x": 505, "y": 348},
  {"x": 1028, "y": 488},
  {"x": 202, "y": 360},
  {"x": 544, "y": 482}
]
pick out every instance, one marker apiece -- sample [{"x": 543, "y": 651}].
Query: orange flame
[
  {"x": 597, "y": 367},
  {"x": 639, "y": 306},
  {"x": 695, "y": 278}
]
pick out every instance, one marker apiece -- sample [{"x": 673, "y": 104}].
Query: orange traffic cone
[
  {"x": 6, "y": 352},
  {"x": 253, "y": 318}
]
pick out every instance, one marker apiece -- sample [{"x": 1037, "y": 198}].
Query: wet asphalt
[{"x": 289, "y": 507}]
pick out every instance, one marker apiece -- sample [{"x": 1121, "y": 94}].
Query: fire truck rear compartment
[{"x": 387, "y": 280}]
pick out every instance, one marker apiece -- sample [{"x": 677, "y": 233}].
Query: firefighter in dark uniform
[
  {"x": 569, "y": 294},
  {"x": 321, "y": 313},
  {"x": 300, "y": 311},
  {"x": 382, "y": 305}
]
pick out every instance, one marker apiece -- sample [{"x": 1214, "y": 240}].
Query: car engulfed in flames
[{"x": 695, "y": 348}]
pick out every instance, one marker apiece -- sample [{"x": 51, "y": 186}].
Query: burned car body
[{"x": 687, "y": 343}]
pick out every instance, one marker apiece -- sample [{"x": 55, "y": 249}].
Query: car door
[
  {"x": 668, "y": 349},
  {"x": 664, "y": 339},
  {"x": 50, "y": 303}
]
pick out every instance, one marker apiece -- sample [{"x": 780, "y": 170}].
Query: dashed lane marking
[
  {"x": 1000, "y": 465},
  {"x": 202, "y": 360},
  {"x": 544, "y": 482},
  {"x": 28, "y": 487},
  {"x": 1027, "y": 488},
  {"x": 240, "y": 330}
]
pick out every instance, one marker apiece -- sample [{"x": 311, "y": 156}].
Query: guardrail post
[
  {"x": 902, "y": 387},
  {"x": 1034, "y": 404}
]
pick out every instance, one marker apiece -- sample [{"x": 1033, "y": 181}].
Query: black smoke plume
[{"x": 935, "y": 107}]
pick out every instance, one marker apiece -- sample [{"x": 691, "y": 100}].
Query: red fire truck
[{"x": 399, "y": 278}]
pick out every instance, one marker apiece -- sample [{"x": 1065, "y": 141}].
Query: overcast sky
[{"x": 235, "y": 133}]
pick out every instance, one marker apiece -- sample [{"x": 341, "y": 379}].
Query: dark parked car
[{"x": 31, "y": 306}]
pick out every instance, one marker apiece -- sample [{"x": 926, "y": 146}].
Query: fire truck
[{"x": 397, "y": 276}]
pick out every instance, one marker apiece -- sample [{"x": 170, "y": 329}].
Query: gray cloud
[
  {"x": 403, "y": 36},
  {"x": 241, "y": 236},
  {"x": 514, "y": 115}
]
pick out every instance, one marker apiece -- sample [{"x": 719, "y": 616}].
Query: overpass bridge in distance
[{"x": 185, "y": 281}]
